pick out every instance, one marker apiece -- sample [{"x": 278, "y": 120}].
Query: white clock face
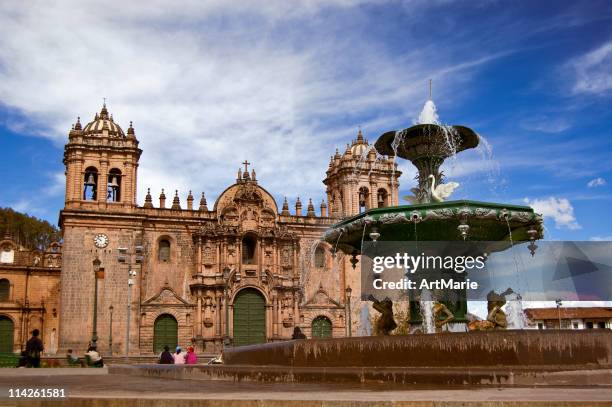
[{"x": 101, "y": 240}]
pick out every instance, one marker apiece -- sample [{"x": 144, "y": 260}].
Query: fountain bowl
[{"x": 427, "y": 140}]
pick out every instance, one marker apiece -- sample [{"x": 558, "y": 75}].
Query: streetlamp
[
  {"x": 348, "y": 310},
  {"x": 94, "y": 333},
  {"x": 122, "y": 258},
  {"x": 110, "y": 331},
  {"x": 559, "y": 304},
  {"x": 226, "y": 274}
]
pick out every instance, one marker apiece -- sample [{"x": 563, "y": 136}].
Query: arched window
[
  {"x": 249, "y": 245},
  {"x": 382, "y": 198},
  {"x": 113, "y": 186},
  {"x": 90, "y": 184},
  {"x": 319, "y": 257},
  {"x": 5, "y": 290},
  {"x": 364, "y": 195},
  {"x": 163, "y": 250}
]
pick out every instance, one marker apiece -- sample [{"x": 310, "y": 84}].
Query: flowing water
[
  {"x": 427, "y": 314},
  {"x": 514, "y": 310}
]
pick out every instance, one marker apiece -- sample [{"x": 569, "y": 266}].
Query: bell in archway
[{"x": 114, "y": 183}]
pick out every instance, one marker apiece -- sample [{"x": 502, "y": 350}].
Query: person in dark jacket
[
  {"x": 297, "y": 333},
  {"x": 166, "y": 357},
  {"x": 34, "y": 348}
]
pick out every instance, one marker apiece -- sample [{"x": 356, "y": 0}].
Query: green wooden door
[
  {"x": 165, "y": 333},
  {"x": 321, "y": 327},
  {"x": 7, "y": 330},
  {"x": 249, "y": 317}
]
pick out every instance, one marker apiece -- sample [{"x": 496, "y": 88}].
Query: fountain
[{"x": 430, "y": 217}]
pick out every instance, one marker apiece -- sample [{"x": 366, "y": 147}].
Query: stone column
[{"x": 199, "y": 315}]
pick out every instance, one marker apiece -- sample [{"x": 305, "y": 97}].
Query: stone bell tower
[
  {"x": 358, "y": 180},
  {"x": 101, "y": 164}
]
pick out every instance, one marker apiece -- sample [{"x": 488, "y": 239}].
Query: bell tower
[
  {"x": 359, "y": 180},
  {"x": 101, "y": 164}
]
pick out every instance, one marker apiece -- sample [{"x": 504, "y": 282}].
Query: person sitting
[
  {"x": 73, "y": 360},
  {"x": 191, "y": 358},
  {"x": 94, "y": 359},
  {"x": 165, "y": 358},
  {"x": 179, "y": 356},
  {"x": 297, "y": 333}
]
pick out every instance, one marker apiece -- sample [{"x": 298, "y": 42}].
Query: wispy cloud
[
  {"x": 592, "y": 73},
  {"x": 596, "y": 182}
]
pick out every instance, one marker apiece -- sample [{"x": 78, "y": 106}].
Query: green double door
[
  {"x": 321, "y": 327},
  {"x": 249, "y": 317},
  {"x": 165, "y": 333},
  {"x": 7, "y": 330}
]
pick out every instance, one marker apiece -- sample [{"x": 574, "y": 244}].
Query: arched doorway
[
  {"x": 165, "y": 333},
  {"x": 321, "y": 327},
  {"x": 249, "y": 317},
  {"x": 7, "y": 330}
]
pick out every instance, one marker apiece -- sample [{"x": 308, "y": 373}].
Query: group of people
[
  {"x": 92, "y": 358},
  {"x": 179, "y": 357}
]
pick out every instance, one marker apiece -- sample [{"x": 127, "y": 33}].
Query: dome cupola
[{"x": 103, "y": 125}]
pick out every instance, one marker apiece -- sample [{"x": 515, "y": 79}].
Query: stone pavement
[{"x": 121, "y": 390}]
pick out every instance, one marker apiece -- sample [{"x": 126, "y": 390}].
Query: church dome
[
  {"x": 359, "y": 146},
  {"x": 103, "y": 122}
]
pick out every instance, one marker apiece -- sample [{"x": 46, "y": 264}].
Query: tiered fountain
[{"x": 430, "y": 217}]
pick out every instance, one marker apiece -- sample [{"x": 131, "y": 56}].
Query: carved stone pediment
[
  {"x": 248, "y": 193},
  {"x": 321, "y": 298},
  {"x": 166, "y": 296}
]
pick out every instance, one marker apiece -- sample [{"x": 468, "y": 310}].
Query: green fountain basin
[{"x": 438, "y": 222}]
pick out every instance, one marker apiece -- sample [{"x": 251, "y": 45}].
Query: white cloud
[
  {"x": 558, "y": 209},
  {"x": 592, "y": 71},
  {"x": 209, "y": 84},
  {"x": 596, "y": 182},
  {"x": 545, "y": 124}
]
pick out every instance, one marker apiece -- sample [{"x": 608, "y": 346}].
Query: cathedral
[{"x": 134, "y": 278}]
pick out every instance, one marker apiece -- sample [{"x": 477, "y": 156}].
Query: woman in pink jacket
[{"x": 191, "y": 358}]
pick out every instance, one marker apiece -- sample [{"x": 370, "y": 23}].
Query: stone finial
[
  {"x": 323, "y": 209},
  {"x": 310, "y": 211},
  {"x": 239, "y": 177},
  {"x": 162, "y": 199},
  {"x": 203, "y": 206},
  {"x": 148, "y": 199},
  {"x": 253, "y": 175},
  {"x": 285, "y": 210},
  {"x": 176, "y": 203},
  {"x": 130, "y": 130},
  {"x": 347, "y": 152},
  {"x": 77, "y": 125},
  {"x": 360, "y": 136},
  {"x": 190, "y": 201},
  {"x": 298, "y": 207}
]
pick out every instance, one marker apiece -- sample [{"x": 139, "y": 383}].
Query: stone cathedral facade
[{"x": 237, "y": 271}]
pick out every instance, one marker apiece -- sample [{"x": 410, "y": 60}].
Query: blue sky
[{"x": 209, "y": 84}]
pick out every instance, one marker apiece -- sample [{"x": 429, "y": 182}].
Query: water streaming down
[
  {"x": 427, "y": 313},
  {"x": 365, "y": 326},
  {"x": 514, "y": 309}
]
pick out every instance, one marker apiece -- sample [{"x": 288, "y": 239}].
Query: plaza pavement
[{"x": 117, "y": 390}]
